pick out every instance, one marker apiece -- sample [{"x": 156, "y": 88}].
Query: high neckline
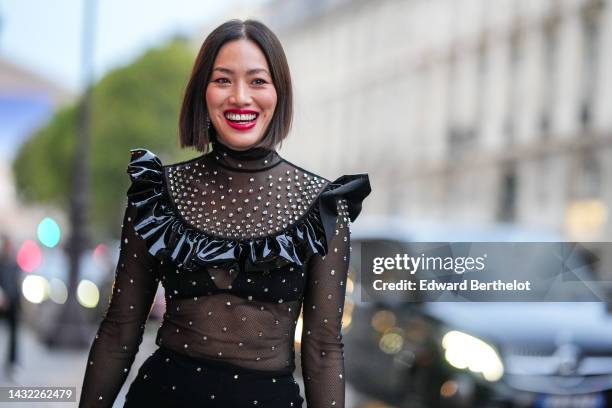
[{"x": 258, "y": 158}]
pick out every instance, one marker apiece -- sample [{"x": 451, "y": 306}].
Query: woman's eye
[
  {"x": 259, "y": 81},
  {"x": 221, "y": 81}
]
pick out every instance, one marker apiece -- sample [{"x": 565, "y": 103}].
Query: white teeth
[{"x": 240, "y": 117}]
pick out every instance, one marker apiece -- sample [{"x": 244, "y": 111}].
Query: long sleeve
[
  {"x": 120, "y": 333},
  {"x": 322, "y": 354}
]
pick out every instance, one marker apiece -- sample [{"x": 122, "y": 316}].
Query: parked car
[{"x": 475, "y": 354}]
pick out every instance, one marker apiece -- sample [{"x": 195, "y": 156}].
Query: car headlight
[{"x": 468, "y": 352}]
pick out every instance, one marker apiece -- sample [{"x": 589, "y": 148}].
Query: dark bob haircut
[{"x": 193, "y": 130}]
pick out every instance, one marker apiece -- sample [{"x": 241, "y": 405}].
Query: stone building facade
[{"x": 477, "y": 111}]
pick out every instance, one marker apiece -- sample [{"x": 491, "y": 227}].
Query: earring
[{"x": 207, "y": 122}]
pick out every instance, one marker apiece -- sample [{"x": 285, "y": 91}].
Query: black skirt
[{"x": 168, "y": 379}]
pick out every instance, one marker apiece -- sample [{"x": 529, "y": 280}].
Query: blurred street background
[{"x": 492, "y": 114}]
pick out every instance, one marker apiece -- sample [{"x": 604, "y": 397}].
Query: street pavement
[{"x": 41, "y": 366}]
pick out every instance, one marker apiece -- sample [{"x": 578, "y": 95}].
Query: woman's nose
[{"x": 240, "y": 94}]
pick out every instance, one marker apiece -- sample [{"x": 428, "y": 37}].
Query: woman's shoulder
[
  {"x": 353, "y": 188},
  {"x": 354, "y": 180},
  {"x": 335, "y": 197},
  {"x": 303, "y": 172},
  {"x": 142, "y": 155}
]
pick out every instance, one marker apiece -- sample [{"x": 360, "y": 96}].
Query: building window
[
  {"x": 588, "y": 183},
  {"x": 461, "y": 131},
  {"x": 591, "y": 26},
  {"x": 549, "y": 73},
  {"x": 481, "y": 75},
  {"x": 514, "y": 59},
  {"x": 507, "y": 195}
]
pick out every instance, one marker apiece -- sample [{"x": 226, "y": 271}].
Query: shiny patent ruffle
[{"x": 167, "y": 235}]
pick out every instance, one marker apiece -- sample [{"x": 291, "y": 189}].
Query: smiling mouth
[
  {"x": 240, "y": 117},
  {"x": 241, "y": 121}
]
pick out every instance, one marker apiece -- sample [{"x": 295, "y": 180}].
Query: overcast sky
[{"x": 45, "y": 35}]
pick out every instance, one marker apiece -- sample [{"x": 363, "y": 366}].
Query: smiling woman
[
  {"x": 243, "y": 242},
  {"x": 241, "y": 98},
  {"x": 248, "y": 75}
]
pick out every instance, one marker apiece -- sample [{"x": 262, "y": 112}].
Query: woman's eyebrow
[{"x": 249, "y": 72}]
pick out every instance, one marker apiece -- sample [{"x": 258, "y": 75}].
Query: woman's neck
[{"x": 255, "y": 158}]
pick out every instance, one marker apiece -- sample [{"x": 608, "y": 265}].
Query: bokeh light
[
  {"x": 383, "y": 320},
  {"x": 100, "y": 251},
  {"x": 392, "y": 341},
  {"x": 298, "y": 330},
  {"x": 58, "y": 292},
  {"x": 35, "y": 288},
  {"x": 49, "y": 232},
  {"x": 464, "y": 351},
  {"x": 88, "y": 294},
  {"x": 29, "y": 256},
  {"x": 347, "y": 317}
]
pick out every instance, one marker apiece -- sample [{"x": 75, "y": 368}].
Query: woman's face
[{"x": 240, "y": 95}]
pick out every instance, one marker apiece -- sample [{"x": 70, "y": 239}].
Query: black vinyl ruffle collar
[{"x": 167, "y": 235}]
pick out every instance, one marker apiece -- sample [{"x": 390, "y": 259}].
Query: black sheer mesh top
[{"x": 242, "y": 242}]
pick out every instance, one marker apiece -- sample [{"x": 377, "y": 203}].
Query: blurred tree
[{"x": 133, "y": 106}]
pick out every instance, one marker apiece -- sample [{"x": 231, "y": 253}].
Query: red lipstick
[{"x": 239, "y": 123}]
